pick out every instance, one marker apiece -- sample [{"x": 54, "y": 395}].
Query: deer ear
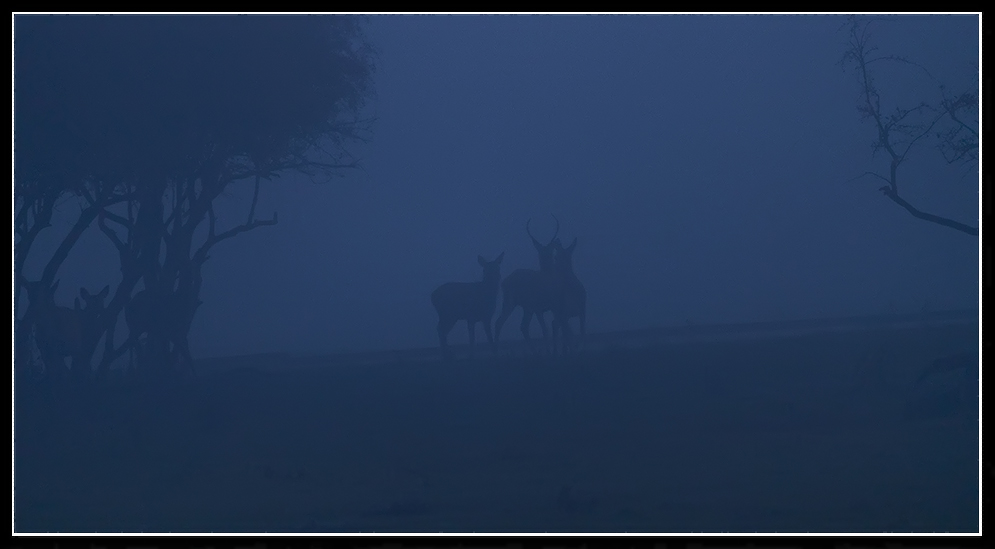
[
  {"x": 499, "y": 258},
  {"x": 572, "y": 245},
  {"x": 103, "y": 293},
  {"x": 482, "y": 261}
]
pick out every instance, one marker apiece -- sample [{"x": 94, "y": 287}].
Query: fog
[
  {"x": 709, "y": 167},
  {"x": 711, "y": 170}
]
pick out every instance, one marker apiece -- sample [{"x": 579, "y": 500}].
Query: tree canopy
[{"x": 148, "y": 119}]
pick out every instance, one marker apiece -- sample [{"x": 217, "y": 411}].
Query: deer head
[{"x": 545, "y": 250}]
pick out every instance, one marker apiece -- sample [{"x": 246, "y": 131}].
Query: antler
[{"x": 536, "y": 242}]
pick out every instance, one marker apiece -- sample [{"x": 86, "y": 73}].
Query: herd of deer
[
  {"x": 61, "y": 332},
  {"x": 552, "y": 288}
]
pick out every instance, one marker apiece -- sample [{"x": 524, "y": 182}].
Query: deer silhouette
[
  {"x": 167, "y": 314},
  {"x": 571, "y": 299},
  {"x": 470, "y": 301},
  {"x": 534, "y": 291},
  {"x": 62, "y": 332}
]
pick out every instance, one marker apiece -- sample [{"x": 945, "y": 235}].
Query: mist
[
  {"x": 709, "y": 166},
  {"x": 775, "y": 336}
]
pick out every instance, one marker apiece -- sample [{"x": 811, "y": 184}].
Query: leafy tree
[
  {"x": 151, "y": 119},
  {"x": 950, "y": 122}
]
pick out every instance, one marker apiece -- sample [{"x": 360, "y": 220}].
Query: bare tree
[
  {"x": 470, "y": 301},
  {"x": 531, "y": 289},
  {"x": 899, "y": 129},
  {"x": 149, "y": 152}
]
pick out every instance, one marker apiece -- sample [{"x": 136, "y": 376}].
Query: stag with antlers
[
  {"x": 534, "y": 291},
  {"x": 572, "y": 296},
  {"x": 470, "y": 301}
]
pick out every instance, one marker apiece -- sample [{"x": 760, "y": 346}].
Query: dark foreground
[{"x": 823, "y": 432}]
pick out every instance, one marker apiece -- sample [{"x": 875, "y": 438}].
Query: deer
[
  {"x": 168, "y": 315},
  {"x": 470, "y": 301},
  {"x": 534, "y": 291},
  {"x": 572, "y": 296},
  {"x": 63, "y": 332}
]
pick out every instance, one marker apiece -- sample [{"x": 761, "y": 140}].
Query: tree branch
[
  {"x": 946, "y": 222},
  {"x": 201, "y": 255},
  {"x": 879, "y": 176},
  {"x": 120, "y": 220},
  {"x": 122, "y": 248}
]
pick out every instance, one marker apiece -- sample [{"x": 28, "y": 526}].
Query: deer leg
[
  {"x": 55, "y": 364},
  {"x": 490, "y": 336},
  {"x": 561, "y": 334},
  {"x": 470, "y": 326},
  {"x": 567, "y": 335},
  {"x": 51, "y": 354},
  {"x": 505, "y": 313},
  {"x": 526, "y": 321},
  {"x": 143, "y": 350},
  {"x": 134, "y": 353},
  {"x": 443, "y": 328},
  {"x": 182, "y": 346},
  {"x": 541, "y": 317}
]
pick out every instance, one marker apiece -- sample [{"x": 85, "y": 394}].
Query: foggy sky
[{"x": 705, "y": 164}]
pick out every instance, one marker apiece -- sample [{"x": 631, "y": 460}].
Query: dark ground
[{"x": 819, "y": 432}]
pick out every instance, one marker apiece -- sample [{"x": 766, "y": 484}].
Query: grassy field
[{"x": 822, "y": 432}]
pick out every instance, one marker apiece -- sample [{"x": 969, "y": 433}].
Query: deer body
[
  {"x": 470, "y": 301},
  {"x": 572, "y": 296},
  {"x": 168, "y": 316},
  {"x": 62, "y": 332},
  {"x": 535, "y": 291},
  {"x": 58, "y": 334}
]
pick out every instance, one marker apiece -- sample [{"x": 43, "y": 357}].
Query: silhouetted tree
[
  {"x": 951, "y": 121},
  {"x": 150, "y": 119}
]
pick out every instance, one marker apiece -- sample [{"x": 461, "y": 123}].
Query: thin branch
[
  {"x": 122, "y": 248},
  {"x": 243, "y": 228},
  {"x": 921, "y": 135},
  {"x": 201, "y": 255},
  {"x": 879, "y": 176}
]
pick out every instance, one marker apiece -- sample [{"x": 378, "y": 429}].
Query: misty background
[{"x": 707, "y": 165}]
